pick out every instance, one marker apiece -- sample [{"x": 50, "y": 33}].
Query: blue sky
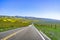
[{"x": 34, "y": 8}]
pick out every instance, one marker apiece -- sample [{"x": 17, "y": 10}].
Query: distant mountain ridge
[
  {"x": 42, "y": 20},
  {"x": 35, "y": 18}
]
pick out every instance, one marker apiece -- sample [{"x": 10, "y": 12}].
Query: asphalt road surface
[{"x": 25, "y": 33}]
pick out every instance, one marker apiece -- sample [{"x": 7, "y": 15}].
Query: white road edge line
[
  {"x": 9, "y": 36},
  {"x": 39, "y": 33},
  {"x": 44, "y": 35}
]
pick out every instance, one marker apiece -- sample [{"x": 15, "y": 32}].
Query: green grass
[
  {"x": 8, "y": 23},
  {"x": 51, "y": 31}
]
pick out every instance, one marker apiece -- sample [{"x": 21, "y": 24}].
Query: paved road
[{"x": 26, "y": 33}]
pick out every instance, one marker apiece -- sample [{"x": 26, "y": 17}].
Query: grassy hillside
[
  {"x": 7, "y": 23},
  {"x": 51, "y": 30},
  {"x": 48, "y": 26}
]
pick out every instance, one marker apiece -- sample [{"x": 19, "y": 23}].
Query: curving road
[{"x": 26, "y": 33}]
